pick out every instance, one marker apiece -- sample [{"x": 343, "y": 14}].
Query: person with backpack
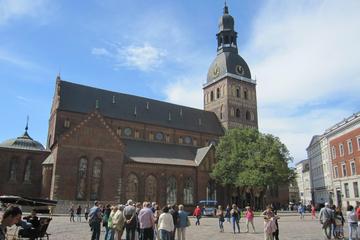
[
  {"x": 326, "y": 217},
  {"x": 95, "y": 218},
  {"x": 235, "y": 217}
]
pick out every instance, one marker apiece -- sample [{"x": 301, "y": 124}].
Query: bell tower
[{"x": 230, "y": 92}]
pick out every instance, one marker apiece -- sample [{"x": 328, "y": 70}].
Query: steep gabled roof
[{"x": 83, "y": 99}]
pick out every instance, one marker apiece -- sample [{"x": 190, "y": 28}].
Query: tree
[{"x": 248, "y": 159}]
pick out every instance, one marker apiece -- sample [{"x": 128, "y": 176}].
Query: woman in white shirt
[{"x": 165, "y": 224}]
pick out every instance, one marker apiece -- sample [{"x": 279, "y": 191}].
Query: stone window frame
[
  {"x": 346, "y": 190},
  {"x": 341, "y": 150},
  {"x": 237, "y": 113},
  {"x": 333, "y": 152},
  {"x": 136, "y": 191},
  {"x": 248, "y": 115},
  {"x": 218, "y": 95},
  {"x": 343, "y": 169},
  {"x": 221, "y": 111},
  {"x": 85, "y": 177},
  {"x": 147, "y": 189},
  {"x": 26, "y": 179},
  {"x": 353, "y": 167},
  {"x": 189, "y": 191},
  {"x": 246, "y": 95},
  {"x": 238, "y": 95},
  {"x": 356, "y": 189},
  {"x": 211, "y": 96},
  {"x": 98, "y": 190},
  {"x": 358, "y": 142},
  {"x": 67, "y": 123},
  {"x": 13, "y": 168},
  {"x": 336, "y": 172},
  {"x": 349, "y": 146}
]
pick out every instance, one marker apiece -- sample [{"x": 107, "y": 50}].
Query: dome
[
  {"x": 228, "y": 62},
  {"x": 226, "y": 21},
  {"x": 23, "y": 142}
]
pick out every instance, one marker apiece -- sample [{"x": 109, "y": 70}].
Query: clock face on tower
[
  {"x": 216, "y": 71},
  {"x": 239, "y": 70}
]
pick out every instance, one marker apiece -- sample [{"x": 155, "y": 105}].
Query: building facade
[
  {"x": 344, "y": 149},
  {"x": 303, "y": 181}
]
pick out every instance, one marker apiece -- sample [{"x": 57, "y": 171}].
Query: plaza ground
[{"x": 291, "y": 227}]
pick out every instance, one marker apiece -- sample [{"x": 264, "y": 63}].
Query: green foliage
[{"x": 248, "y": 158}]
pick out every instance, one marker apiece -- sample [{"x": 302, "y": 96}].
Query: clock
[
  {"x": 239, "y": 70},
  {"x": 187, "y": 139},
  {"x": 159, "y": 136},
  {"x": 127, "y": 132},
  {"x": 216, "y": 71}
]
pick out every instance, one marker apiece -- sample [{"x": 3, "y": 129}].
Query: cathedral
[{"x": 111, "y": 146}]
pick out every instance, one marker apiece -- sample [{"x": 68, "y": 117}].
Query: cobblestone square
[{"x": 291, "y": 227}]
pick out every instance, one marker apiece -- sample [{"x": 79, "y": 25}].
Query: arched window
[
  {"x": 150, "y": 190},
  {"x": 221, "y": 111},
  {"x": 237, "y": 113},
  {"x": 171, "y": 191},
  {"x": 132, "y": 187},
  {"x": 218, "y": 93},
  {"x": 248, "y": 117},
  {"x": 211, "y": 96},
  {"x": 189, "y": 191},
  {"x": 237, "y": 92},
  {"x": 252, "y": 116},
  {"x": 245, "y": 93},
  {"x": 13, "y": 170},
  {"x": 82, "y": 178},
  {"x": 96, "y": 179},
  {"x": 27, "y": 173},
  {"x": 211, "y": 190}
]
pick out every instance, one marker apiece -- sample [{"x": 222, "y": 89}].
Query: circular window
[
  {"x": 187, "y": 140},
  {"x": 213, "y": 142},
  {"x": 159, "y": 136},
  {"x": 127, "y": 132}
]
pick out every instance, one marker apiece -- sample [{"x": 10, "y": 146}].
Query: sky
[{"x": 305, "y": 56}]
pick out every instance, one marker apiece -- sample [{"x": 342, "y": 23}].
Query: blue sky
[{"x": 305, "y": 56}]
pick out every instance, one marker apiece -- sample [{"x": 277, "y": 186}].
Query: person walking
[
  {"x": 72, "y": 213},
  {"x": 269, "y": 223},
  {"x": 235, "y": 217},
  {"x": 130, "y": 220},
  {"x": 86, "y": 212},
  {"x": 353, "y": 222},
  {"x": 220, "y": 215},
  {"x": 118, "y": 221},
  {"x": 197, "y": 214},
  {"x": 146, "y": 221},
  {"x": 166, "y": 224},
  {"x": 183, "y": 223},
  {"x": 156, "y": 221},
  {"x": 78, "y": 214},
  {"x": 313, "y": 212},
  {"x": 95, "y": 218},
  {"x": 339, "y": 223},
  {"x": 301, "y": 211},
  {"x": 227, "y": 214},
  {"x": 249, "y": 218},
  {"x": 326, "y": 217}
]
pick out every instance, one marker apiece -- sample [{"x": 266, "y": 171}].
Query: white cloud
[
  {"x": 185, "y": 91},
  {"x": 100, "y": 52},
  {"x": 144, "y": 58},
  {"x": 12, "y": 9}
]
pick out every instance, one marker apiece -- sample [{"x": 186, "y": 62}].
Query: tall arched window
[
  {"x": 82, "y": 178},
  {"x": 27, "y": 173},
  {"x": 189, "y": 191},
  {"x": 171, "y": 191},
  {"x": 211, "y": 190},
  {"x": 221, "y": 111},
  {"x": 13, "y": 170},
  {"x": 245, "y": 93},
  {"x": 211, "y": 96},
  {"x": 248, "y": 117},
  {"x": 132, "y": 187},
  {"x": 96, "y": 179},
  {"x": 232, "y": 112},
  {"x": 237, "y": 92},
  {"x": 150, "y": 190},
  {"x": 218, "y": 93},
  {"x": 237, "y": 113}
]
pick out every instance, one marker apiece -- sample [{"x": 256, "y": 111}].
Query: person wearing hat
[
  {"x": 249, "y": 218},
  {"x": 326, "y": 217}
]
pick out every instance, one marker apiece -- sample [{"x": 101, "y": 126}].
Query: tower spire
[
  {"x": 226, "y": 9},
  {"x": 27, "y": 123}
]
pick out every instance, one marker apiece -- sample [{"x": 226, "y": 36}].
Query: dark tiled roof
[
  {"x": 24, "y": 142},
  {"x": 152, "y": 152},
  {"x": 80, "y": 98}
]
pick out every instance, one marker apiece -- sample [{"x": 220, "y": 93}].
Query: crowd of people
[{"x": 144, "y": 221}]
